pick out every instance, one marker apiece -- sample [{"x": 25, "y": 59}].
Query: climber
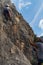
[
  {"x": 7, "y": 12},
  {"x": 40, "y": 53},
  {"x": 38, "y": 45}
]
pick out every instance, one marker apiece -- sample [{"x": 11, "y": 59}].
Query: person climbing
[
  {"x": 40, "y": 53},
  {"x": 38, "y": 45},
  {"x": 7, "y": 12}
]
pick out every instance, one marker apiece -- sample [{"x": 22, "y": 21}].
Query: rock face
[
  {"x": 15, "y": 48},
  {"x": 5, "y": 1}
]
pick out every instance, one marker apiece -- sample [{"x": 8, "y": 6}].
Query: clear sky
[{"x": 32, "y": 11}]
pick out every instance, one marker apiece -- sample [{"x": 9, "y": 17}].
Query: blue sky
[{"x": 32, "y": 11}]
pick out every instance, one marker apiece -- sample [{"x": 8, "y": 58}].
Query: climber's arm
[
  {"x": 33, "y": 44},
  {"x": 39, "y": 40}
]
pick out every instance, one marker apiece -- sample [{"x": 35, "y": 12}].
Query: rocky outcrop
[
  {"x": 15, "y": 47},
  {"x": 9, "y": 53}
]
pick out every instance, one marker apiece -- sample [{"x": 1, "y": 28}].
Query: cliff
[{"x": 15, "y": 47}]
